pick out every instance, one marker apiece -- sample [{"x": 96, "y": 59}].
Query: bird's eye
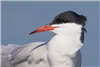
[{"x": 64, "y": 20}]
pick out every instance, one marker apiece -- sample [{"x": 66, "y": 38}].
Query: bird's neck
[{"x": 65, "y": 44}]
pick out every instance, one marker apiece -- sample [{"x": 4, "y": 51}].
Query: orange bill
[{"x": 42, "y": 29}]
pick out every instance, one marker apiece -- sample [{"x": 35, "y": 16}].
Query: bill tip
[{"x": 28, "y": 34}]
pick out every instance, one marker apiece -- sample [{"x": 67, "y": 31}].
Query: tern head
[{"x": 64, "y": 22}]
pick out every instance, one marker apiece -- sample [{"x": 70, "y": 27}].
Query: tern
[{"x": 63, "y": 50}]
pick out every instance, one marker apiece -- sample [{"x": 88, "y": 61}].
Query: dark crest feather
[{"x": 71, "y": 17}]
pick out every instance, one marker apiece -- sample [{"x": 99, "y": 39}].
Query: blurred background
[{"x": 18, "y": 18}]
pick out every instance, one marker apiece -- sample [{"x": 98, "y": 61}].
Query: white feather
[{"x": 65, "y": 45}]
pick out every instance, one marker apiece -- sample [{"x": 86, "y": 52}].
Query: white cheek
[
  {"x": 58, "y": 30},
  {"x": 67, "y": 28}
]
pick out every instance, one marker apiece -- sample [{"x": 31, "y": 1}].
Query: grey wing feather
[
  {"x": 25, "y": 55},
  {"x": 4, "y": 56}
]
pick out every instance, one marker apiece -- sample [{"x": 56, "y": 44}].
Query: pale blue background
[{"x": 20, "y": 18}]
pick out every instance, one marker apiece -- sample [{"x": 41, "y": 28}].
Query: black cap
[{"x": 69, "y": 17}]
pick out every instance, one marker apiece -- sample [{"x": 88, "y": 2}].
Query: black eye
[{"x": 64, "y": 20}]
